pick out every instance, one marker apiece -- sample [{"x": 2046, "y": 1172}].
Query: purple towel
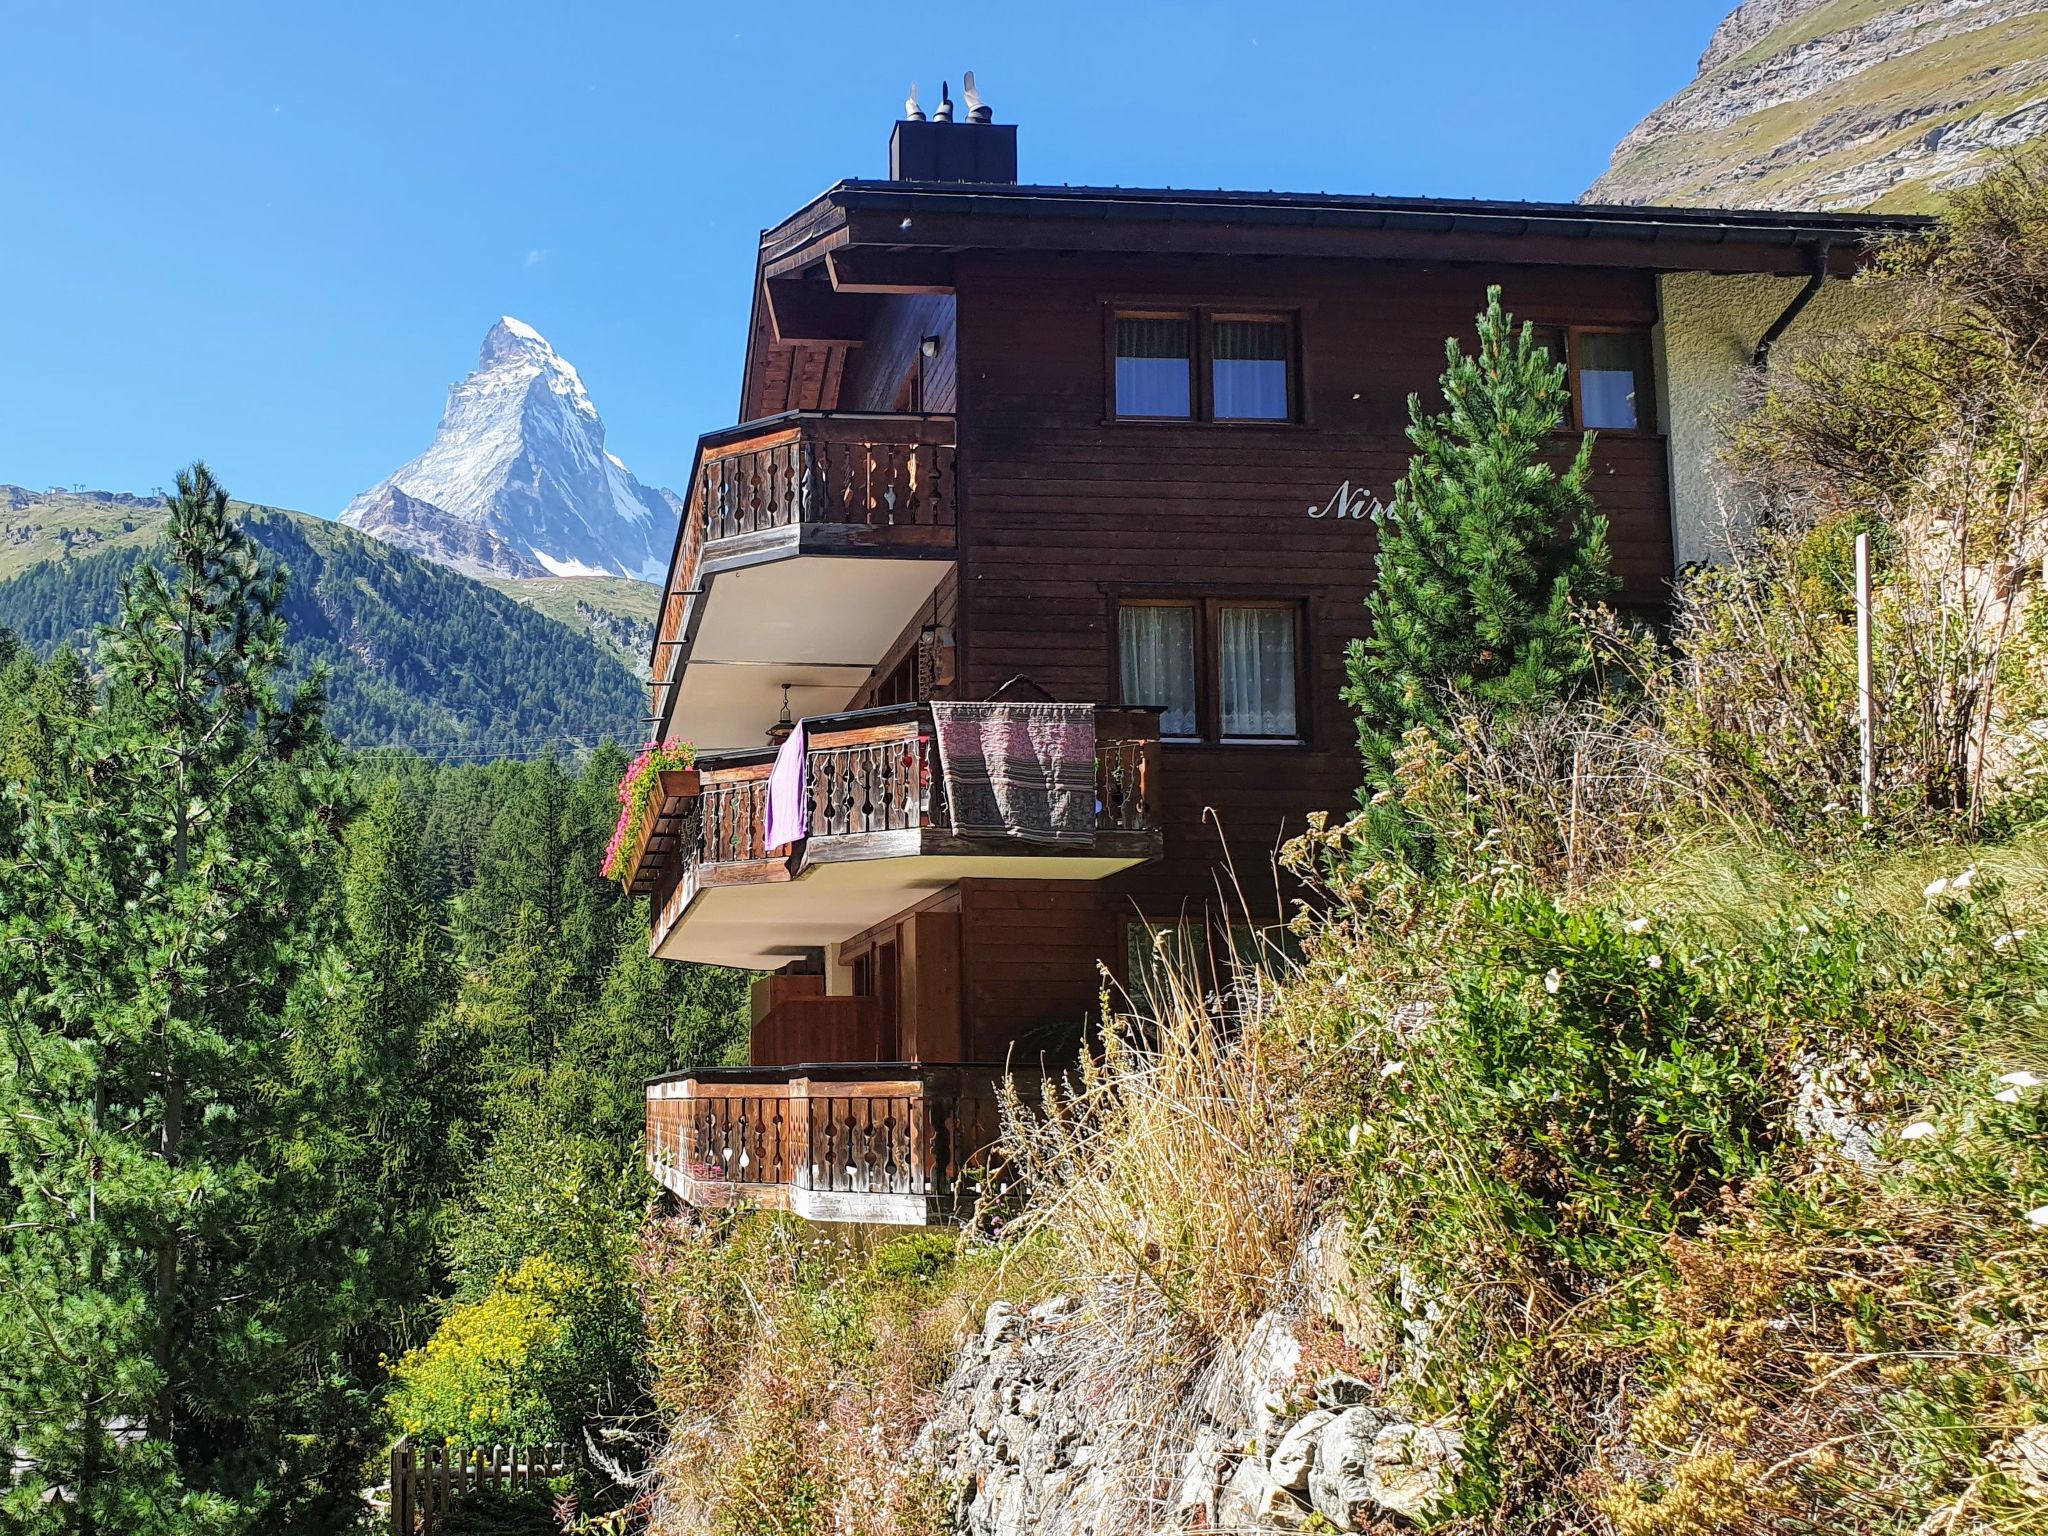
[{"x": 789, "y": 801}]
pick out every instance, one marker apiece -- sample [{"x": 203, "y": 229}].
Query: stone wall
[{"x": 1018, "y": 1440}]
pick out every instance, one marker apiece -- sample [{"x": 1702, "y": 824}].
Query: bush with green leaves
[{"x": 502, "y": 1370}]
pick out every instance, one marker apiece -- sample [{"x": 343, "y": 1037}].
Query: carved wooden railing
[
  {"x": 825, "y": 1140},
  {"x": 871, "y": 774},
  {"x": 735, "y": 825},
  {"x": 808, "y": 469},
  {"x": 871, "y": 778}
]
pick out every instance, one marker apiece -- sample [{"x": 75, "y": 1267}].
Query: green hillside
[
  {"x": 417, "y": 655},
  {"x": 616, "y": 611}
]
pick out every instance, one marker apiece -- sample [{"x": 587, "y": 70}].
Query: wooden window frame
[
  {"x": 1647, "y": 397},
  {"x": 1208, "y": 627},
  {"x": 1116, "y": 313},
  {"x": 1201, "y": 319}
]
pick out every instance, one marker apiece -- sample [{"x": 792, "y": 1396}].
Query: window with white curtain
[
  {"x": 1249, "y": 367},
  {"x": 1219, "y": 669},
  {"x": 1154, "y": 365},
  {"x": 1156, "y": 645},
  {"x": 1255, "y": 674}
]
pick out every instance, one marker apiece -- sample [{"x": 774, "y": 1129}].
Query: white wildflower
[
  {"x": 1802, "y": 930},
  {"x": 2039, "y": 1215},
  {"x": 1393, "y": 1068},
  {"x": 1552, "y": 980},
  {"x": 1936, "y": 888},
  {"x": 2021, "y": 1079},
  {"x": 2007, "y": 940},
  {"x": 1655, "y": 962},
  {"x": 1355, "y": 1129},
  {"x": 1916, "y": 1130},
  {"x": 1961, "y": 883},
  {"x": 2007, "y": 1095},
  {"x": 1637, "y": 924}
]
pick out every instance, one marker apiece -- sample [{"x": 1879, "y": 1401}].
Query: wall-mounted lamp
[{"x": 929, "y": 346}]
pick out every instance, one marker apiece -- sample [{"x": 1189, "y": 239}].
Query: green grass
[
  {"x": 63, "y": 526},
  {"x": 574, "y": 600}
]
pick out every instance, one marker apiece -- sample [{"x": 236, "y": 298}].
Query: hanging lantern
[{"x": 778, "y": 733}]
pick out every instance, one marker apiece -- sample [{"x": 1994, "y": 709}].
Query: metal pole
[{"x": 1866, "y": 694}]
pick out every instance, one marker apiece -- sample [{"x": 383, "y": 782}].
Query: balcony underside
[
  {"x": 852, "y": 883},
  {"x": 781, "y": 612},
  {"x": 868, "y": 1208}
]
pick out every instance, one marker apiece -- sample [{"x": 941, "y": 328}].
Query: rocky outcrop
[
  {"x": 1018, "y": 1444},
  {"x": 1825, "y": 104},
  {"x": 421, "y": 528}
]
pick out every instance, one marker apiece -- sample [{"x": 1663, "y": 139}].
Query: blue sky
[{"x": 271, "y": 234}]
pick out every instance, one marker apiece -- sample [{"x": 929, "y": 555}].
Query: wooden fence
[{"x": 426, "y": 1480}]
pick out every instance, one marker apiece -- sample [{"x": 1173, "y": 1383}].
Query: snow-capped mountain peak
[{"x": 521, "y": 457}]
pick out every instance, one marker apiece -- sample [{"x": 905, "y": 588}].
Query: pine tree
[
  {"x": 1485, "y": 554},
  {"x": 379, "y": 1066},
  {"x": 164, "y": 890}
]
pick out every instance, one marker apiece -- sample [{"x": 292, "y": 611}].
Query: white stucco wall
[{"x": 1711, "y": 325}]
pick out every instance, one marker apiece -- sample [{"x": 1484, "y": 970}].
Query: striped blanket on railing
[{"x": 1020, "y": 771}]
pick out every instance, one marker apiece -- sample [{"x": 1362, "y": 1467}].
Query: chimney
[{"x": 939, "y": 149}]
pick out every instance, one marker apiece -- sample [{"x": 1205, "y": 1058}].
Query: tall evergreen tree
[
  {"x": 1486, "y": 553},
  {"x": 163, "y": 890}
]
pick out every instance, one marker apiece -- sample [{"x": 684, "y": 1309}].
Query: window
[
  {"x": 1156, "y": 645},
  {"x": 1154, "y": 366},
  {"x": 1250, "y": 369},
  {"x": 1258, "y": 681},
  {"x": 1613, "y": 374},
  {"x": 1244, "y": 364},
  {"x": 1218, "y": 669},
  {"x": 1609, "y": 376}
]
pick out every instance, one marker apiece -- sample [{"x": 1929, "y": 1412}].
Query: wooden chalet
[{"x": 1109, "y": 447}]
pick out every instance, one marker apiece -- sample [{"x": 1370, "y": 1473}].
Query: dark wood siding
[
  {"x": 1029, "y": 952},
  {"x": 1063, "y": 510},
  {"x": 876, "y": 371}
]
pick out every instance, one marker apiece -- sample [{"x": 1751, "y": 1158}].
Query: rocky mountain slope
[
  {"x": 1843, "y": 104},
  {"x": 518, "y": 481},
  {"x": 417, "y": 655}
]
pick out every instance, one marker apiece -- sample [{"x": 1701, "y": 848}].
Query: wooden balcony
[
  {"x": 879, "y": 838},
  {"x": 808, "y": 540},
  {"x": 898, "y": 1143}
]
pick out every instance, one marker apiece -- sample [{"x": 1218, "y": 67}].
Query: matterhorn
[{"x": 517, "y": 481}]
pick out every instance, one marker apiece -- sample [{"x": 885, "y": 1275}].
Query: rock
[
  {"x": 1200, "y": 1472},
  {"x": 1052, "y": 1311},
  {"x": 1340, "y": 1483},
  {"x": 1002, "y": 1322},
  {"x": 1296, "y": 1452},
  {"x": 1252, "y": 1501},
  {"x": 2027, "y": 1459},
  {"x": 1269, "y": 1359},
  {"x": 1824, "y": 1111},
  {"x": 1338, "y": 1391},
  {"x": 1414, "y": 1466}
]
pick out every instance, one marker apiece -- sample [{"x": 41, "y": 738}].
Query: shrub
[{"x": 497, "y": 1370}]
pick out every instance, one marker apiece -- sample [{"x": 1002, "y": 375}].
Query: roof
[{"x": 1355, "y": 211}]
